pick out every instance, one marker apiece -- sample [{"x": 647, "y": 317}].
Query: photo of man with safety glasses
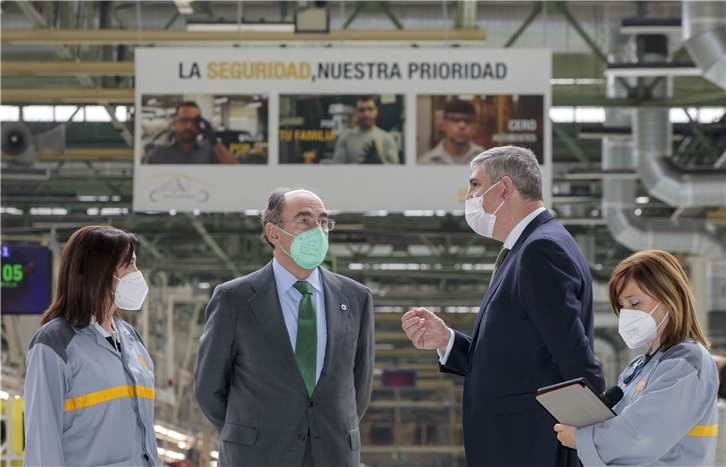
[
  {"x": 459, "y": 123},
  {"x": 454, "y": 129},
  {"x": 184, "y": 146}
]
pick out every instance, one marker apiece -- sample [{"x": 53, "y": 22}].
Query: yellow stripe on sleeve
[
  {"x": 703, "y": 430},
  {"x": 106, "y": 395},
  {"x": 143, "y": 391}
]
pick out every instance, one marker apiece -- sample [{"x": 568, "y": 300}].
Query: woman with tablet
[{"x": 668, "y": 415}]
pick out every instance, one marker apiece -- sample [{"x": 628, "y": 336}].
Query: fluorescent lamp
[
  {"x": 652, "y": 71},
  {"x": 651, "y": 26},
  {"x": 578, "y": 81},
  {"x": 249, "y": 27},
  {"x": 650, "y": 30}
]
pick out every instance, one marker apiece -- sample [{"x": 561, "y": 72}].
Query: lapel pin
[{"x": 343, "y": 307}]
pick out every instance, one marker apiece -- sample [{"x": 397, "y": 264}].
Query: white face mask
[
  {"x": 637, "y": 328},
  {"x": 131, "y": 291},
  {"x": 479, "y": 221}
]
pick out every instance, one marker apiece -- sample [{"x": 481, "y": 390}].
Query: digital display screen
[{"x": 26, "y": 279}]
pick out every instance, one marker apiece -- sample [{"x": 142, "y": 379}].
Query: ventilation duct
[
  {"x": 704, "y": 35},
  {"x": 618, "y": 205},
  {"x": 653, "y": 146},
  {"x": 652, "y": 135}
]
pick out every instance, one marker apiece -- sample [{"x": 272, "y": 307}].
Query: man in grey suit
[{"x": 285, "y": 364}]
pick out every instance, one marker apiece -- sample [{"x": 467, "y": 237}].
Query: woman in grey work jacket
[
  {"x": 89, "y": 388},
  {"x": 668, "y": 414}
]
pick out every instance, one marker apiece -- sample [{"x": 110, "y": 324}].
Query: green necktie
[
  {"x": 499, "y": 261},
  {"x": 306, "y": 345}
]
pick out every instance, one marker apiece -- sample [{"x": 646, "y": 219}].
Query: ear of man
[
  {"x": 509, "y": 188},
  {"x": 272, "y": 233}
]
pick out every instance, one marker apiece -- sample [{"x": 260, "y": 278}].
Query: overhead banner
[{"x": 368, "y": 129}]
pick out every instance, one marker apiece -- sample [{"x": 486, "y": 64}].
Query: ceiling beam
[
  {"x": 86, "y": 154},
  {"x": 66, "y": 96},
  {"x": 572, "y": 146},
  {"x": 212, "y": 243},
  {"x": 65, "y": 54},
  {"x": 536, "y": 10},
  {"x": 68, "y": 68},
  {"x": 156, "y": 36}
]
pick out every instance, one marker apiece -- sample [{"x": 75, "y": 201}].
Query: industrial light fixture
[
  {"x": 651, "y": 26},
  {"x": 243, "y": 27},
  {"x": 638, "y": 70}
]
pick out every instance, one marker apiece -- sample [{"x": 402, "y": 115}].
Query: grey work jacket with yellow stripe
[
  {"x": 667, "y": 416},
  {"x": 86, "y": 403}
]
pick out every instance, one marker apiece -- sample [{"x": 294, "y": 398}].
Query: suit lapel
[
  {"x": 266, "y": 306},
  {"x": 542, "y": 218},
  {"x": 336, "y": 314},
  {"x": 491, "y": 290}
]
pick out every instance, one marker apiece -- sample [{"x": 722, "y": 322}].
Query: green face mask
[{"x": 308, "y": 249}]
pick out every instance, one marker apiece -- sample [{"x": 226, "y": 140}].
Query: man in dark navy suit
[{"x": 535, "y": 325}]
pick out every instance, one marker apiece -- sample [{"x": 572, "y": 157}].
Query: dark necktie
[
  {"x": 306, "y": 345},
  {"x": 499, "y": 261}
]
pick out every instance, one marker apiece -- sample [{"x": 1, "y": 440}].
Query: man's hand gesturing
[{"x": 425, "y": 329}]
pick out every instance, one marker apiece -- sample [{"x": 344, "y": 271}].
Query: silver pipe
[{"x": 704, "y": 35}]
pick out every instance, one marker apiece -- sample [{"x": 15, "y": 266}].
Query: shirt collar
[
  {"x": 519, "y": 228},
  {"x": 103, "y": 332},
  {"x": 285, "y": 280},
  {"x": 462, "y": 157}
]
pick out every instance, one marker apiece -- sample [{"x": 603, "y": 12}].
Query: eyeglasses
[
  {"x": 307, "y": 224},
  {"x": 459, "y": 119}
]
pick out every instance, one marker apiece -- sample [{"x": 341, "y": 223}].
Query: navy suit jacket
[{"x": 534, "y": 329}]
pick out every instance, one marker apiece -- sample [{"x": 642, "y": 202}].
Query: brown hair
[
  {"x": 366, "y": 98},
  {"x": 661, "y": 276},
  {"x": 85, "y": 276},
  {"x": 459, "y": 107}
]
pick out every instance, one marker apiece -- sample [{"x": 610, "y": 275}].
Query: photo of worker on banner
[
  {"x": 203, "y": 129},
  {"x": 453, "y": 129},
  {"x": 341, "y": 129}
]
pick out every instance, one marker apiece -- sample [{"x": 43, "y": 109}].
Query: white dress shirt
[
  {"x": 508, "y": 244},
  {"x": 290, "y": 299}
]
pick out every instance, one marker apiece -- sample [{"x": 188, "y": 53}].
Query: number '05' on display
[{"x": 12, "y": 272}]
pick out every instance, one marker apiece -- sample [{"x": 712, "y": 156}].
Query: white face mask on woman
[
  {"x": 637, "y": 328},
  {"x": 479, "y": 221},
  {"x": 131, "y": 291}
]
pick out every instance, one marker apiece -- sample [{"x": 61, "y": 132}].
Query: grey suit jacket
[{"x": 248, "y": 384}]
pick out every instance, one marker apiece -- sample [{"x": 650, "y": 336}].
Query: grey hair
[
  {"x": 517, "y": 163},
  {"x": 273, "y": 213}
]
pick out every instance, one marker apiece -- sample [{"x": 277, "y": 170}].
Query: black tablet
[{"x": 575, "y": 403}]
